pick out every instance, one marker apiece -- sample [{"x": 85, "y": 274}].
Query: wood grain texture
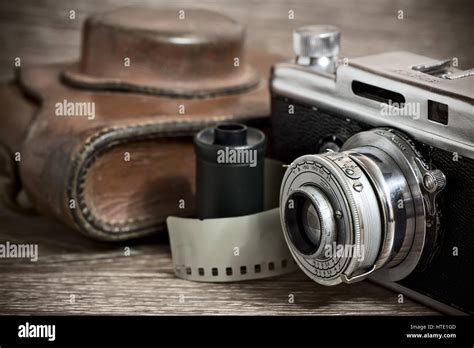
[
  {"x": 101, "y": 278},
  {"x": 40, "y": 31},
  {"x": 105, "y": 281}
]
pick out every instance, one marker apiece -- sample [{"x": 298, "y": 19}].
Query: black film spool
[{"x": 230, "y": 164}]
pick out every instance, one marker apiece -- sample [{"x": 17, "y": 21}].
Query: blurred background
[{"x": 40, "y": 31}]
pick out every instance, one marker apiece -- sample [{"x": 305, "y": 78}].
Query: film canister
[{"x": 229, "y": 170}]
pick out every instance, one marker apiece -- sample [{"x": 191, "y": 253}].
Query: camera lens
[
  {"x": 309, "y": 220},
  {"x": 362, "y": 211}
]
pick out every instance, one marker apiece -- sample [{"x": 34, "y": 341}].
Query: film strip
[
  {"x": 230, "y": 249},
  {"x": 234, "y": 248}
]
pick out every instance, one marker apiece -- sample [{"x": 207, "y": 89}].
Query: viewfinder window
[{"x": 437, "y": 112}]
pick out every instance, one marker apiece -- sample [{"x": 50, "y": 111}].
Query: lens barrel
[{"x": 359, "y": 212}]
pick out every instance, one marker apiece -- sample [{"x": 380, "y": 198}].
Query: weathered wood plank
[{"x": 105, "y": 281}]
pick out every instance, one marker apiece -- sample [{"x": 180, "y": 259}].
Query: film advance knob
[{"x": 317, "y": 45}]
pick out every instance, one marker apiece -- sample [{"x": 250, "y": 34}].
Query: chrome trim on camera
[
  {"x": 391, "y": 71},
  {"x": 378, "y": 184},
  {"x": 325, "y": 213},
  {"x": 407, "y": 160},
  {"x": 355, "y": 206},
  {"x": 395, "y": 201}
]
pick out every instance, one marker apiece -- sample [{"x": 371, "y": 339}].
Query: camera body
[{"x": 382, "y": 160}]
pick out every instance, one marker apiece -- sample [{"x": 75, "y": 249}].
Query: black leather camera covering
[{"x": 440, "y": 275}]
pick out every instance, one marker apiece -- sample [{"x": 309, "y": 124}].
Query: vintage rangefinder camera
[{"x": 381, "y": 180}]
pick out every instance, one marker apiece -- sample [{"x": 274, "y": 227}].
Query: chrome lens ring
[
  {"x": 374, "y": 187},
  {"x": 357, "y": 219},
  {"x": 310, "y": 221},
  {"x": 412, "y": 166},
  {"x": 395, "y": 200}
]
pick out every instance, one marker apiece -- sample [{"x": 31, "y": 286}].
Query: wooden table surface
[
  {"x": 81, "y": 276},
  {"x": 75, "y": 275}
]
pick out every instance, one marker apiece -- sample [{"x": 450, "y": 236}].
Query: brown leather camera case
[{"x": 153, "y": 78}]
